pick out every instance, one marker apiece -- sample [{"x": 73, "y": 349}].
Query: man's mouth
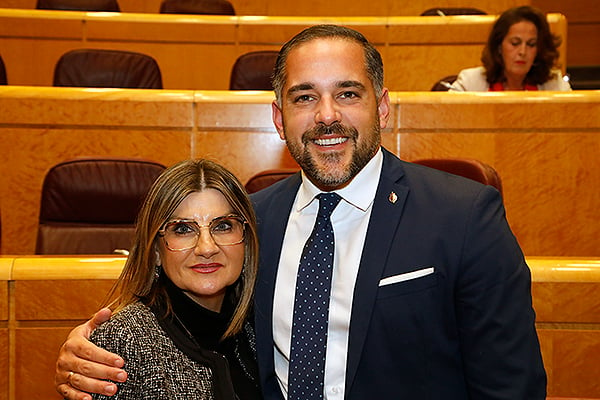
[{"x": 330, "y": 141}]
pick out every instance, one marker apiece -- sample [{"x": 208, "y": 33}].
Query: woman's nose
[
  {"x": 327, "y": 112},
  {"x": 206, "y": 245}
]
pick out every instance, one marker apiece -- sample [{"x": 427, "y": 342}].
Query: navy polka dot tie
[{"x": 311, "y": 307}]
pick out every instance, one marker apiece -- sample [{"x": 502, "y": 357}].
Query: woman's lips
[{"x": 206, "y": 268}]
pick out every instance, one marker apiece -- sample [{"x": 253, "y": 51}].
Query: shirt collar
[{"x": 360, "y": 192}]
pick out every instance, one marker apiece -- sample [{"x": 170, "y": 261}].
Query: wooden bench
[
  {"x": 197, "y": 52},
  {"x": 544, "y": 146},
  {"x": 50, "y": 295}
]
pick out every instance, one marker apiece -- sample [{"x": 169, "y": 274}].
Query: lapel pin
[{"x": 393, "y": 197}]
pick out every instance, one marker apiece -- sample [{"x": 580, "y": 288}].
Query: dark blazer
[{"x": 465, "y": 331}]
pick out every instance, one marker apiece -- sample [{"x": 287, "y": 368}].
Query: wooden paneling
[
  {"x": 53, "y": 294},
  {"x": 583, "y": 30},
  {"x": 313, "y": 7},
  {"x": 544, "y": 146},
  {"x": 198, "y": 52},
  {"x": 583, "y": 15}
]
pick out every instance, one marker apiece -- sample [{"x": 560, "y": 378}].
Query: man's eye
[
  {"x": 302, "y": 98},
  {"x": 348, "y": 95}
]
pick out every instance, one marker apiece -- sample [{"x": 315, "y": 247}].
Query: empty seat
[
  {"x": 89, "y": 205},
  {"x": 253, "y": 71},
  {"x": 444, "y": 84},
  {"x": 3, "y": 80},
  {"x": 266, "y": 178},
  {"x": 79, "y": 5},
  {"x": 468, "y": 168},
  {"x": 584, "y": 77},
  {"x": 107, "y": 69},
  {"x": 206, "y": 7},
  {"x": 443, "y": 11}
]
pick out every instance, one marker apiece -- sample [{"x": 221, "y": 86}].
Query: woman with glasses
[{"x": 182, "y": 302}]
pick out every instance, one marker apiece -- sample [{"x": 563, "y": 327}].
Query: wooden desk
[
  {"x": 197, "y": 52},
  {"x": 320, "y": 8},
  {"x": 5, "y": 351},
  {"x": 50, "y": 295},
  {"x": 544, "y": 146},
  {"x": 566, "y": 299}
]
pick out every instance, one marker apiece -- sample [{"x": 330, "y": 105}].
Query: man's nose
[{"x": 328, "y": 111}]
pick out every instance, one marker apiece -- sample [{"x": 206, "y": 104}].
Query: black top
[{"x": 233, "y": 360}]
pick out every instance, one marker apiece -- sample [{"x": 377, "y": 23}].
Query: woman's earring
[{"x": 157, "y": 269}]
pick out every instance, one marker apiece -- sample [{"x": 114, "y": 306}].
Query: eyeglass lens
[{"x": 184, "y": 234}]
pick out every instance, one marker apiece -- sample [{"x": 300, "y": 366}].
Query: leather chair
[
  {"x": 79, "y": 5},
  {"x": 443, "y": 85},
  {"x": 584, "y": 77},
  {"x": 253, "y": 70},
  {"x": 267, "y": 178},
  {"x": 3, "y": 80},
  {"x": 468, "y": 168},
  {"x": 441, "y": 11},
  {"x": 89, "y": 205},
  {"x": 107, "y": 69},
  {"x": 206, "y": 7}
]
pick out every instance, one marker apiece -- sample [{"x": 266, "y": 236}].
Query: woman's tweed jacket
[{"x": 156, "y": 367}]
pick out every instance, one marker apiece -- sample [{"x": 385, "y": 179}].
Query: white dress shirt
[{"x": 350, "y": 221}]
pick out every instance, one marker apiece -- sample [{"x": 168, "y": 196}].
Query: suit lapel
[
  {"x": 385, "y": 218},
  {"x": 272, "y": 214}
]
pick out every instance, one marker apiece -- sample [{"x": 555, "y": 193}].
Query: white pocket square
[{"x": 406, "y": 276}]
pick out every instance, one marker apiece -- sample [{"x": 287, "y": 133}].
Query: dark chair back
[
  {"x": 79, "y": 5},
  {"x": 468, "y": 168},
  {"x": 253, "y": 71},
  {"x": 444, "y": 84},
  {"x": 89, "y": 205},
  {"x": 107, "y": 69},
  {"x": 584, "y": 77},
  {"x": 267, "y": 178},
  {"x": 206, "y": 7},
  {"x": 3, "y": 79},
  {"x": 443, "y": 11}
]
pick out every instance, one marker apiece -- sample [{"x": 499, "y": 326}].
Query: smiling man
[{"x": 411, "y": 284}]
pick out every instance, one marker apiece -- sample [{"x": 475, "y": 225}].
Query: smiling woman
[
  {"x": 521, "y": 54},
  {"x": 185, "y": 292}
]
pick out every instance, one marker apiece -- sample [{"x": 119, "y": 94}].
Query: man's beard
[{"x": 329, "y": 172}]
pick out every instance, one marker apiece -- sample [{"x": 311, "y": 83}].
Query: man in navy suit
[{"x": 430, "y": 295}]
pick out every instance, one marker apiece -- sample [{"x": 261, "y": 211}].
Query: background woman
[
  {"x": 185, "y": 293},
  {"x": 521, "y": 54}
]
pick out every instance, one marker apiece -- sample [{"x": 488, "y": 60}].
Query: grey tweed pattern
[{"x": 156, "y": 368}]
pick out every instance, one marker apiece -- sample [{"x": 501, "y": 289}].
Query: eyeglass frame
[{"x": 161, "y": 232}]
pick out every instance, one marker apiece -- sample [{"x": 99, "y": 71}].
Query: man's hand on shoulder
[{"x": 84, "y": 367}]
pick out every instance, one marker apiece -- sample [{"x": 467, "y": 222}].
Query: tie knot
[{"x": 327, "y": 203}]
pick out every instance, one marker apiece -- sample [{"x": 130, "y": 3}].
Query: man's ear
[
  {"x": 278, "y": 119},
  {"x": 384, "y": 108}
]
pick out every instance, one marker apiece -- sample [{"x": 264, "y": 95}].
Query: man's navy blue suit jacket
[{"x": 464, "y": 331}]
